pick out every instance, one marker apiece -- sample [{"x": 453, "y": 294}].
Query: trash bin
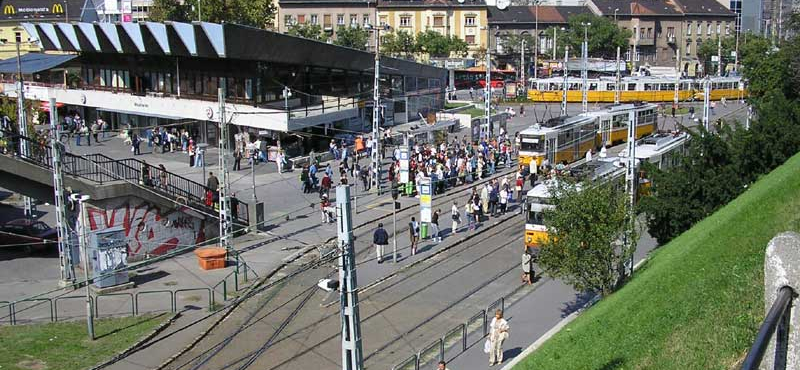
[
  {"x": 211, "y": 258},
  {"x": 409, "y": 188},
  {"x": 423, "y": 230}
]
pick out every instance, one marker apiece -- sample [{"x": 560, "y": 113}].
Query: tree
[
  {"x": 437, "y": 45},
  {"x": 308, "y": 31},
  {"x": 400, "y": 43},
  {"x": 352, "y": 37},
  {"x": 168, "y": 10},
  {"x": 562, "y": 39},
  {"x": 511, "y": 44},
  {"x": 710, "y": 48},
  {"x": 584, "y": 228},
  {"x": 604, "y": 36}
]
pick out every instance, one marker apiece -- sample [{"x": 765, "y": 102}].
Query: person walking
[
  {"x": 442, "y": 366},
  {"x": 192, "y": 153},
  {"x": 413, "y": 233},
  {"x": 527, "y": 266},
  {"x": 435, "y": 226},
  {"x": 237, "y": 159},
  {"x": 455, "y": 215},
  {"x": 469, "y": 213},
  {"x": 498, "y": 333},
  {"x": 326, "y": 209},
  {"x": 200, "y": 156},
  {"x": 212, "y": 185},
  {"x": 135, "y": 141},
  {"x": 163, "y": 176},
  {"x": 381, "y": 239},
  {"x": 146, "y": 179},
  {"x": 504, "y": 193},
  {"x": 325, "y": 185}
]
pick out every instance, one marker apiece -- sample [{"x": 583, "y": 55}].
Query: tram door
[
  {"x": 550, "y": 148},
  {"x": 605, "y": 132}
]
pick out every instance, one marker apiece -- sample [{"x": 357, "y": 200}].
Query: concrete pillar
[{"x": 782, "y": 268}]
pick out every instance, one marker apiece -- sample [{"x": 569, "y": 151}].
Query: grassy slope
[
  {"x": 698, "y": 303},
  {"x": 66, "y": 346}
]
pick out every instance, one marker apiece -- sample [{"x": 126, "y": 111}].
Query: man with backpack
[{"x": 381, "y": 239}]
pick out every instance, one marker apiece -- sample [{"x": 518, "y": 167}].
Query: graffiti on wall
[{"x": 147, "y": 229}]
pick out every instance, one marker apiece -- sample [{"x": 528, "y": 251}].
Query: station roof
[
  {"x": 35, "y": 62},
  {"x": 212, "y": 40}
]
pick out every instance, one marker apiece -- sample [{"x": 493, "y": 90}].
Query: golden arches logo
[
  {"x": 9, "y": 9},
  {"x": 58, "y": 8}
]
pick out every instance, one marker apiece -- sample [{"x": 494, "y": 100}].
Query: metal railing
[
  {"x": 102, "y": 169},
  {"x": 453, "y": 342},
  {"x": 778, "y": 319}
]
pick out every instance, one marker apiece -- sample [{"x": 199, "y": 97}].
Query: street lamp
[
  {"x": 585, "y": 67},
  {"x": 81, "y": 200},
  {"x": 376, "y": 98},
  {"x": 615, "y": 15},
  {"x": 555, "y": 41},
  {"x": 537, "y": 41}
]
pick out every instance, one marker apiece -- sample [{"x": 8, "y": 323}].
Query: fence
[{"x": 454, "y": 341}]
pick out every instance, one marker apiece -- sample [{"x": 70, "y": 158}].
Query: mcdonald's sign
[
  {"x": 9, "y": 9},
  {"x": 58, "y": 8}
]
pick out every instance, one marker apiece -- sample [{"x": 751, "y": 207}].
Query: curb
[
  {"x": 136, "y": 346},
  {"x": 560, "y": 325}
]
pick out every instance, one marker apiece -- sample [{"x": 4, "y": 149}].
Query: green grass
[
  {"x": 474, "y": 112},
  {"x": 454, "y": 105},
  {"x": 697, "y": 303},
  {"x": 66, "y": 346}
]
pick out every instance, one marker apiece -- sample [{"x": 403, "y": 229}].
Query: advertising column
[{"x": 425, "y": 201}]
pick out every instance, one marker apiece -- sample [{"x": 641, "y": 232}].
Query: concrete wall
[{"x": 150, "y": 230}]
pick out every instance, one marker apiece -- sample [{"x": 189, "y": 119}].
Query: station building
[{"x": 147, "y": 74}]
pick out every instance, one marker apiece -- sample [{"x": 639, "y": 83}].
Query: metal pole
[
  {"x": 522, "y": 64},
  {"x": 376, "y": 159},
  {"x": 619, "y": 81},
  {"x": 23, "y": 123},
  {"x": 554, "y": 42},
  {"x": 487, "y": 104},
  {"x": 224, "y": 199},
  {"x": 253, "y": 177},
  {"x": 394, "y": 231},
  {"x": 565, "y": 85},
  {"x": 584, "y": 69},
  {"x": 736, "y": 56},
  {"x": 706, "y": 95},
  {"x": 536, "y": 41},
  {"x": 352, "y": 358},
  {"x": 719, "y": 55},
  {"x": 84, "y": 247},
  {"x": 630, "y": 183},
  {"x": 64, "y": 249},
  {"x": 199, "y": 11}
]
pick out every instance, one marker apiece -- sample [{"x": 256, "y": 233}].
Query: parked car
[{"x": 30, "y": 235}]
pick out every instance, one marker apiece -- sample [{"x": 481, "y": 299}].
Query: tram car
[{"x": 650, "y": 89}]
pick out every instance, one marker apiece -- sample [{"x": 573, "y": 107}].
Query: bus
[
  {"x": 538, "y": 200},
  {"x": 569, "y": 138},
  {"x": 649, "y": 88}
]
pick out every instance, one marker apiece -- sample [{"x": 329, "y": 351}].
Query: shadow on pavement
[{"x": 580, "y": 300}]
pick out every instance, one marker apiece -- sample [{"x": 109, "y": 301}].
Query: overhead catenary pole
[
  {"x": 585, "y": 69},
  {"x": 522, "y": 64},
  {"x": 675, "y": 98},
  {"x": 376, "y": 98},
  {"x": 22, "y": 121},
  {"x": 619, "y": 80},
  {"x": 225, "y": 226},
  {"x": 487, "y": 104},
  {"x": 352, "y": 357},
  {"x": 537, "y": 41},
  {"x": 706, "y": 97},
  {"x": 630, "y": 185},
  {"x": 64, "y": 248},
  {"x": 565, "y": 86},
  {"x": 83, "y": 245}
]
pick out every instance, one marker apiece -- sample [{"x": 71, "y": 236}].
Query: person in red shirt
[{"x": 325, "y": 186}]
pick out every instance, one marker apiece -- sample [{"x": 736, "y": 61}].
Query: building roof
[
  {"x": 211, "y": 40},
  {"x": 527, "y": 14},
  {"x": 431, "y": 4},
  {"x": 628, "y": 8},
  {"x": 328, "y": 3},
  {"x": 35, "y": 62},
  {"x": 48, "y": 11}
]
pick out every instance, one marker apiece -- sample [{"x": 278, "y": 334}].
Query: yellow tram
[
  {"x": 569, "y": 138},
  {"x": 650, "y": 89}
]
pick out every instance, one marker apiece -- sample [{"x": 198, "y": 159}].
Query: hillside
[{"x": 697, "y": 303}]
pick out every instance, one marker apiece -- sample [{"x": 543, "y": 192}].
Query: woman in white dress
[{"x": 498, "y": 333}]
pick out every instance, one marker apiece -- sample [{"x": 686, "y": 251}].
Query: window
[
  {"x": 383, "y": 20},
  {"x": 689, "y": 29},
  {"x": 688, "y": 47},
  {"x": 469, "y": 20},
  {"x": 670, "y": 32},
  {"x": 353, "y": 20},
  {"x": 649, "y": 33},
  {"x": 365, "y": 19},
  {"x": 301, "y": 18},
  {"x": 340, "y": 19},
  {"x": 719, "y": 28},
  {"x": 438, "y": 21},
  {"x": 288, "y": 20},
  {"x": 314, "y": 19},
  {"x": 699, "y": 28},
  {"x": 727, "y": 30},
  {"x": 708, "y": 28},
  {"x": 326, "y": 21},
  {"x": 470, "y": 39},
  {"x": 405, "y": 21}
]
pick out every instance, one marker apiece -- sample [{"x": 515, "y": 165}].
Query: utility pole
[
  {"x": 376, "y": 98},
  {"x": 675, "y": 99},
  {"x": 21, "y": 119},
  {"x": 619, "y": 81},
  {"x": 82, "y": 243},
  {"x": 64, "y": 249},
  {"x": 706, "y": 96},
  {"x": 630, "y": 184},
  {"x": 522, "y": 64},
  {"x": 736, "y": 56},
  {"x": 585, "y": 68},
  {"x": 719, "y": 55},
  {"x": 352, "y": 357},
  {"x": 536, "y": 41},
  {"x": 225, "y": 226},
  {"x": 566, "y": 84},
  {"x": 487, "y": 106}
]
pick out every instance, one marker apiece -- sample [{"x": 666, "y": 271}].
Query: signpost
[{"x": 404, "y": 165}]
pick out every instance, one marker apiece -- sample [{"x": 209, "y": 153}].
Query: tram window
[
  {"x": 554, "y": 87},
  {"x": 668, "y": 87},
  {"x": 593, "y": 86},
  {"x": 648, "y": 87},
  {"x": 620, "y": 120},
  {"x": 534, "y": 217},
  {"x": 631, "y": 87},
  {"x": 533, "y": 144}
]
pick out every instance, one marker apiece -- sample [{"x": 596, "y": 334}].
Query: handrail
[{"x": 777, "y": 318}]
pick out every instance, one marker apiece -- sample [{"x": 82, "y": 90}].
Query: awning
[
  {"x": 45, "y": 106},
  {"x": 34, "y": 62}
]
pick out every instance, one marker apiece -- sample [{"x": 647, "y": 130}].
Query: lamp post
[
  {"x": 555, "y": 38},
  {"x": 615, "y": 16},
  {"x": 536, "y": 42},
  {"x": 81, "y": 200},
  {"x": 22, "y": 121}
]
